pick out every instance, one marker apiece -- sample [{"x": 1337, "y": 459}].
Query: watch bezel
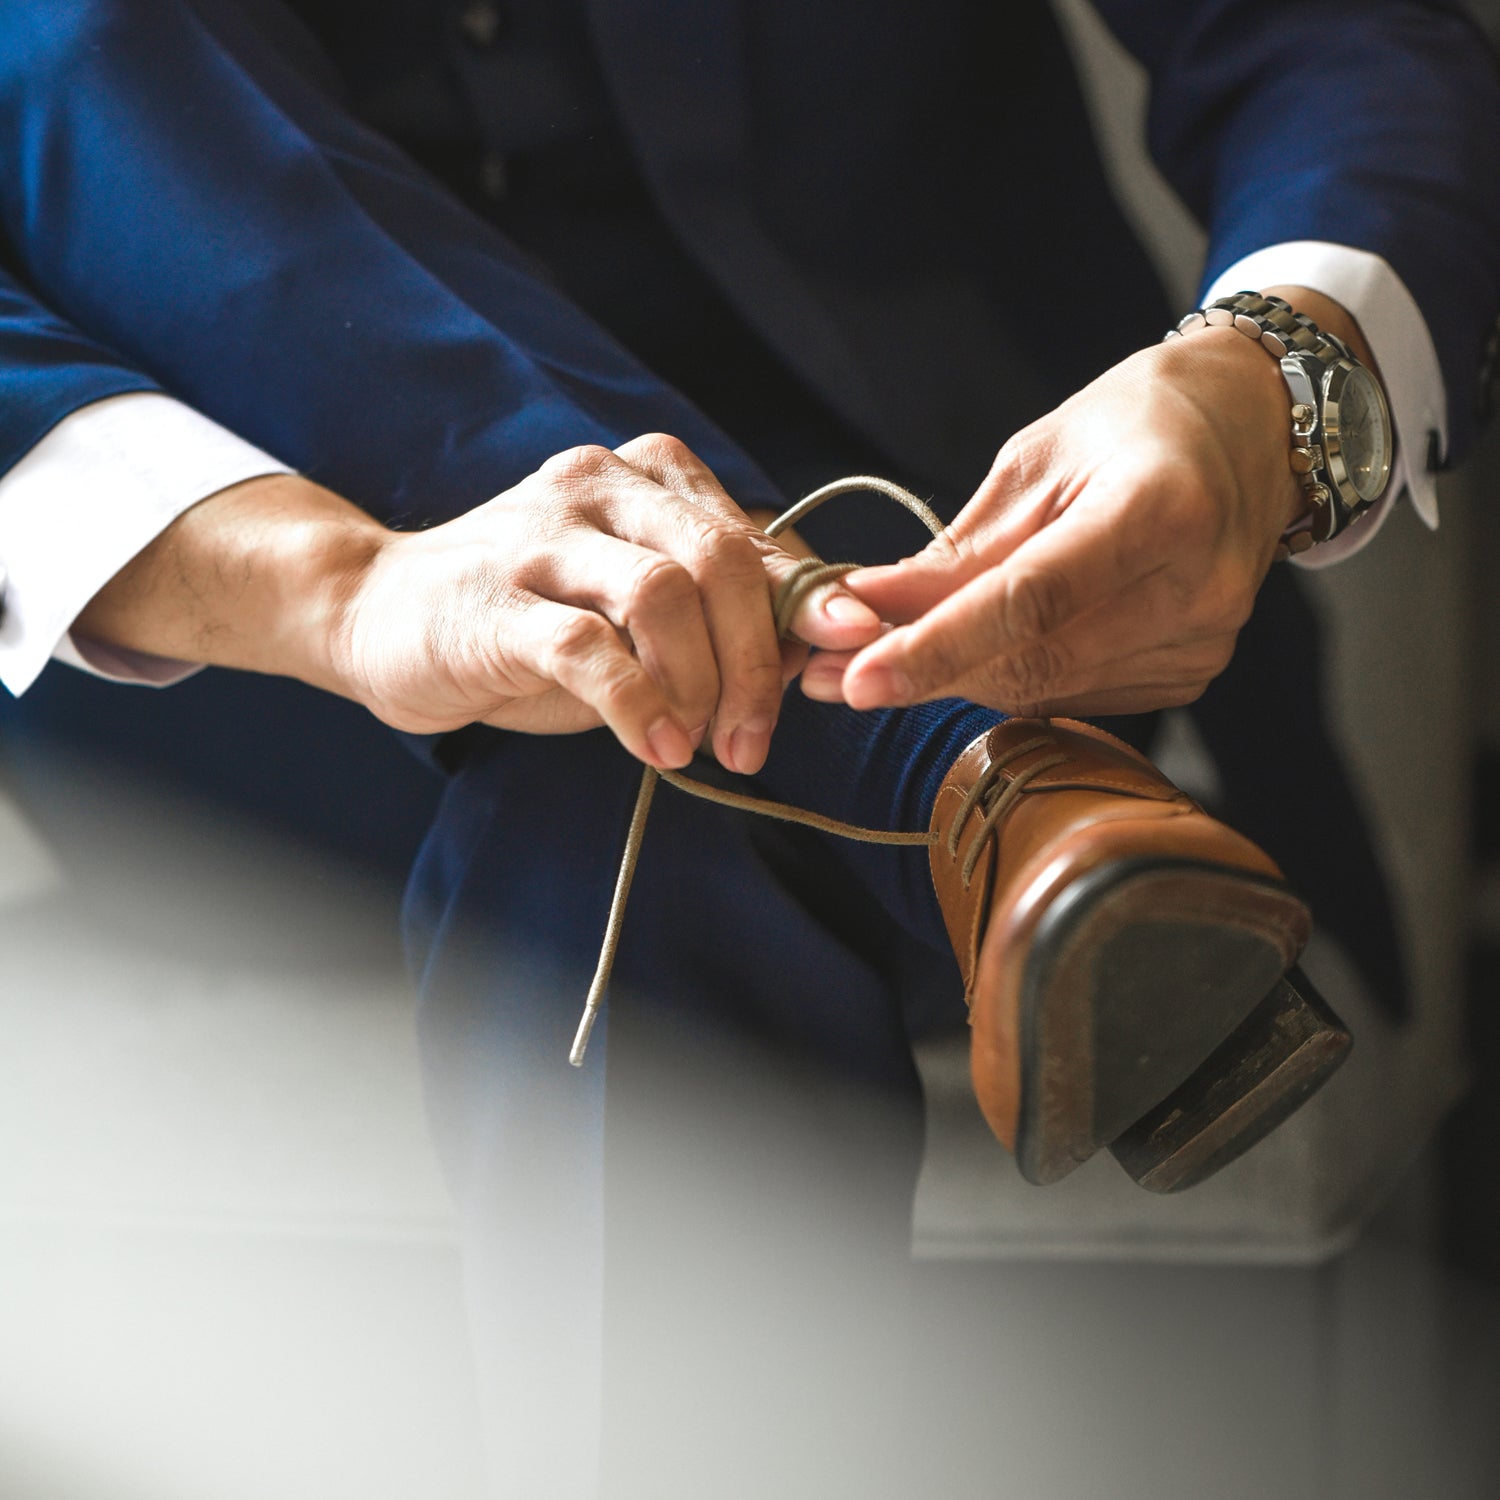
[
  {"x": 1335, "y": 383},
  {"x": 1321, "y": 387}
]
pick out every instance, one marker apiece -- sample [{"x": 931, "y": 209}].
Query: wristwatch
[{"x": 1342, "y": 438}]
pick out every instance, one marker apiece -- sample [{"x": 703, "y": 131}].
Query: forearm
[{"x": 257, "y": 576}]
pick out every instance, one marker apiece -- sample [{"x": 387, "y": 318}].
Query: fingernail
[
  {"x": 844, "y": 610},
  {"x": 748, "y": 747},
  {"x": 669, "y": 744},
  {"x": 884, "y": 686},
  {"x": 823, "y": 688}
]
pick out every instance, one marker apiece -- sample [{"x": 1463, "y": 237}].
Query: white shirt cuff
[
  {"x": 1366, "y": 287},
  {"x": 102, "y": 485}
]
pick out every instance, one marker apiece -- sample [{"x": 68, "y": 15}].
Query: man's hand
[
  {"x": 1111, "y": 556},
  {"x": 621, "y": 588}
]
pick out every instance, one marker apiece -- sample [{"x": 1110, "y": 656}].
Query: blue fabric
[
  {"x": 271, "y": 269},
  {"x": 48, "y": 370},
  {"x": 794, "y": 231},
  {"x": 1371, "y": 123}
]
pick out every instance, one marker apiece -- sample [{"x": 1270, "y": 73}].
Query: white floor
[
  {"x": 229, "y": 1271},
  {"x": 228, "y": 1267}
]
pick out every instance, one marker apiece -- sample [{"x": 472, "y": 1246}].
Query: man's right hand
[{"x": 621, "y": 588}]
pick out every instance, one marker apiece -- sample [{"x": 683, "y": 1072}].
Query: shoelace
[
  {"x": 997, "y": 806},
  {"x": 809, "y": 574}
]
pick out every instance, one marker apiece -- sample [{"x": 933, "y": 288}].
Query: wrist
[
  {"x": 321, "y": 552},
  {"x": 1330, "y": 316},
  {"x": 1341, "y": 434},
  {"x": 1244, "y": 402},
  {"x": 260, "y": 576}
]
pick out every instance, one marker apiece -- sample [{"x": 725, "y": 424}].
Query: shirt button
[{"x": 482, "y": 23}]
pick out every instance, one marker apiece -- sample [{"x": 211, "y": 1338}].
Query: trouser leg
[{"x": 762, "y": 1111}]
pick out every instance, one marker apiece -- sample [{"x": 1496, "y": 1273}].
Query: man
[{"x": 838, "y": 235}]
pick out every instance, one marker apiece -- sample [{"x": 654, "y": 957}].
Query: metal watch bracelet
[{"x": 1281, "y": 332}]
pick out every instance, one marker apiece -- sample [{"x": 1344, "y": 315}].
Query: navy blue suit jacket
[{"x": 903, "y": 199}]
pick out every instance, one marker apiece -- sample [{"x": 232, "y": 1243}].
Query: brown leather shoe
[{"x": 1111, "y": 935}]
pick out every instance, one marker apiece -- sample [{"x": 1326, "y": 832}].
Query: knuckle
[
  {"x": 951, "y": 548},
  {"x": 618, "y": 690},
  {"x": 658, "y": 584},
  {"x": 581, "y": 637},
  {"x": 1239, "y": 603},
  {"x": 754, "y": 683},
  {"x": 1034, "y": 603},
  {"x": 1207, "y": 662},
  {"x": 583, "y": 462},
  {"x": 657, "y": 450},
  {"x": 724, "y": 553},
  {"x": 1012, "y": 463},
  {"x": 668, "y": 447},
  {"x": 1026, "y": 708},
  {"x": 936, "y": 663},
  {"x": 1180, "y": 695},
  {"x": 1033, "y": 674}
]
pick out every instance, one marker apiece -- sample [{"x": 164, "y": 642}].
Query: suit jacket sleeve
[
  {"x": 1371, "y": 123},
  {"x": 47, "y": 370}
]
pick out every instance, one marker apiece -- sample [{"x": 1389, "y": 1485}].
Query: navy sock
[{"x": 880, "y": 769}]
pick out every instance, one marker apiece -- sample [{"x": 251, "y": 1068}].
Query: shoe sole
[
  {"x": 1288, "y": 1047},
  {"x": 1136, "y": 975}
]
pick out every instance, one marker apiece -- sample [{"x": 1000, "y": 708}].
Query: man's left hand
[{"x": 1111, "y": 556}]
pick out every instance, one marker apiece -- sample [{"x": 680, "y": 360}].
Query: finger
[
  {"x": 823, "y": 676},
  {"x": 653, "y": 598},
  {"x": 830, "y": 616},
  {"x": 730, "y": 578},
  {"x": 582, "y": 653},
  {"x": 1020, "y": 495},
  {"x": 703, "y": 533},
  {"x": 1147, "y": 636},
  {"x": 733, "y": 565},
  {"x": 1082, "y": 560},
  {"x": 1161, "y": 678}
]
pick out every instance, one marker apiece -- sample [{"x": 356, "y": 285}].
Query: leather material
[{"x": 1104, "y": 803}]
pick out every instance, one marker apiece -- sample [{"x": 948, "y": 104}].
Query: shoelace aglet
[{"x": 585, "y": 1029}]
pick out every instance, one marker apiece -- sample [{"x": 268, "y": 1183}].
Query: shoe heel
[{"x": 1278, "y": 1057}]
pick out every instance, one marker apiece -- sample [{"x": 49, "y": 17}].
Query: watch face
[{"x": 1364, "y": 434}]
